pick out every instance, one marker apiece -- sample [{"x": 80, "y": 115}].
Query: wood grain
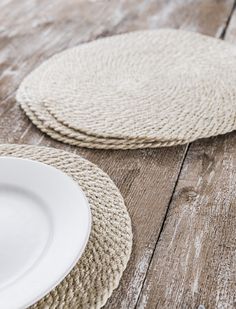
[
  {"x": 32, "y": 31},
  {"x": 194, "y": 263}
]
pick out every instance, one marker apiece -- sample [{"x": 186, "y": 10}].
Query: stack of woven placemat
[{"x": 142, "y": 89}]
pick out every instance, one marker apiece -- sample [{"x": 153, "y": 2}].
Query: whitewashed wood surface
[{"x": 181, "y": 199}]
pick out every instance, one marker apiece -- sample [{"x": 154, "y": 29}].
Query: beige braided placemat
[
  {"x": 47, "y": 124},
  {"x": 162, "y": 85},
  {"x": 99, "y": 270}
]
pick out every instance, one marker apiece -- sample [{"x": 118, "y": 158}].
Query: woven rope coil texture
[{"x": 99, "y": 270}]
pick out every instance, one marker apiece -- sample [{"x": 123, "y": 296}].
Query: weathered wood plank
[
  {"x": 230, "y": 35},
  {"x": 32, "y": 31},
  {"x": 194, "y": 262}
]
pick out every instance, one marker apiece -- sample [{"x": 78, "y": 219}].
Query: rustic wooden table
[{"x": 181, "y": 199}]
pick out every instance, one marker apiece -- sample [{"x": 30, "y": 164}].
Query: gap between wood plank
[
  {"x": 164, "y": 219},
  {"x": 222, "y": 36}
]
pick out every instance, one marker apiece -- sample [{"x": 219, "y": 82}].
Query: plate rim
[{"x": 86, "y": 238}]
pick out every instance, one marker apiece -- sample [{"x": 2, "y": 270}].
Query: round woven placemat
[
  {"x": 99, "y": 270},
  {"x": 47, "y": 124},
  {"x": 162, "y": 85}
]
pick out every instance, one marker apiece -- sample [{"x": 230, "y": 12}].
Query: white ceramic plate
[{"x": 44, "y": 227}]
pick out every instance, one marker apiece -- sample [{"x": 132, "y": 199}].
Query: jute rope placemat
[
  {"x": 155, "y": 85},
  {"x": 98, "y": 272},
  {"x": 45, "y": 122}
]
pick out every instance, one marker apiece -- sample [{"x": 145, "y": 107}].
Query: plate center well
[{"x": 25, "y": 229}]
